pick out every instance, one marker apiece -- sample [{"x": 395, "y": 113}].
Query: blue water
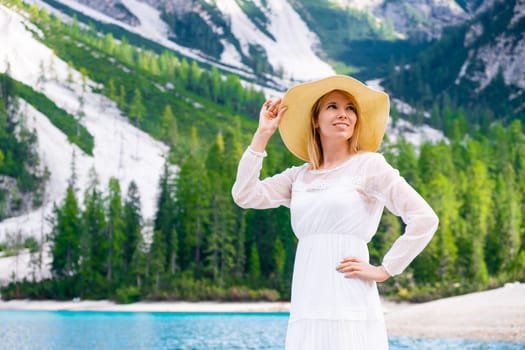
[{"x": 72, "y": 330}]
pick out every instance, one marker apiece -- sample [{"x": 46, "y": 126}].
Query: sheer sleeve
[
  {"x": 386, "y": 185},
  {"x": 250, "y": 192}
]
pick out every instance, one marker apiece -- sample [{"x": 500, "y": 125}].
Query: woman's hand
[
  {"x": 353, "y": 267},
  {"x": 269, "y": 119}
]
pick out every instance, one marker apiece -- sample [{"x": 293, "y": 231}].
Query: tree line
[{"x": 202, "y": 246}]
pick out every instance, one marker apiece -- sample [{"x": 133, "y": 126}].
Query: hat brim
[{"x": 373, "y": 110}]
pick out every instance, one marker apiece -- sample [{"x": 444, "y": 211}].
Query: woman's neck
[{"x": 334, "y": 155}]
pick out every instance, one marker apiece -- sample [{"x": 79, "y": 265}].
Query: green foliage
[
  {"x": 191, "y": 30},
  {"x": 353, "y": 37},
  {"x": 258, "y": 60},
  {"x": 127, "y": 295},
  {"x": 19, "y": 160},
  {"x": 133, "y": 222},
  {"x": 94, "y": 244},
  {"x": 254, "y": 267},
  {"x": 165, "y": 223},
  {"x": 65, "y": 237},
  {"x": 197, "y": 233},
  {"x": 472, "y": 185},
  {"x": 65, "y": 122}
]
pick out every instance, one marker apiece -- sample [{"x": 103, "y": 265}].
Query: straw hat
[{"x": 372, "y": 105}]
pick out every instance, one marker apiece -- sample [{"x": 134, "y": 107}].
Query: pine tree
[
  {"x": 220, "y": 242},
  {"x": 193, "y": 210},
  {"x": 157, "y": 257},
  {"x": 406, "y": 161},
  {"x": 233, "y": 92},
  {"x": 477, "y": 214},
  {"x": 115, "y": 233},
  {"x": 94, "y": 241},
  {"x": 65, "y": 237},
  {"x": 165, "y": 219},
  {"x": 183, "y": 72},
  {"x": 167, "y": 64},
  {"x": 194, "y": 76},
  {"x": 133, "y": 226},
  {"x": 109, "y": 44},
  {"x": 125, "y": 52},
  {"x": 237, "y": 219},
  {"x": 136, "y": 108},
  {"x": 111, "y": 90},
  {"x": 437, "y": 261},
  {"x": 216, "y": 85},
  {"x": 169, "y": 127},
  {"x": 122, "y": 98},
  {"x": 503, "y": 240}
]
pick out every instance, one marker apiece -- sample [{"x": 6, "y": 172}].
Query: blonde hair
[{"x": 315, "y": 148}]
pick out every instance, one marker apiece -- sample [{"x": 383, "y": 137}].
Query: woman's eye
[
  {"x": 331, "y": 105},
  {"x": 351, "y": 108}
]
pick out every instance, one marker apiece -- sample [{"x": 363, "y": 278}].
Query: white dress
[{"x": 334, "y": 215}]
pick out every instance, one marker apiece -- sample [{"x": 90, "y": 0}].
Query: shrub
[
  {"x": 267, "y": 295},
  {"x": 127, "y": 295}
]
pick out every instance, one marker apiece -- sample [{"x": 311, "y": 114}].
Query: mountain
[
  {"x": 276, "y": 42},
  {"x": 477, "y": 66},
  {"x": 273, "y": 38},
  {"x": 223, "y": 35}
]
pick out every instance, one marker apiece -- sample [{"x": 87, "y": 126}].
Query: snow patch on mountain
[
  {"x": 292, "y": 51},
  {"x": 25, "y": 265},
  {"x": 150, "y": 25}
]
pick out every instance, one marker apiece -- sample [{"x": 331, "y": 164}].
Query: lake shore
[{"x": 497, "y": 314}]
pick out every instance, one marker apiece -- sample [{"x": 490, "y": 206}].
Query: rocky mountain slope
[
  {"x": 277, "y": 42},
  {"x": 478, "y": 65}
]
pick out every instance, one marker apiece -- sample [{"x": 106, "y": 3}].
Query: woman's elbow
[
  {"x": 239, "y": 199},
  {"x": 240, "y": 203}
]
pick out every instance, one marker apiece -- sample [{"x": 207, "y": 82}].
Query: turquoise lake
[{"x": 74, "y": 330}]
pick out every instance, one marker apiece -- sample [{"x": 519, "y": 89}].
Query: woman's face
[{"x": 337, "y": 117}]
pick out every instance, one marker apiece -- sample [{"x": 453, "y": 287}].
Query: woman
[{"x": 336, "y": 200}]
